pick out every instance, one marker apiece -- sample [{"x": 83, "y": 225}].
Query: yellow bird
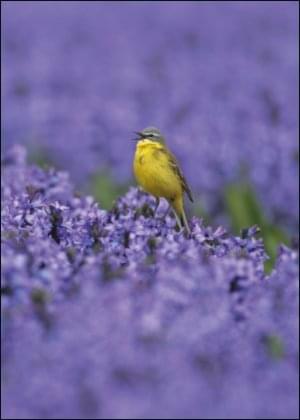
[{"x": 158, "y": 173}]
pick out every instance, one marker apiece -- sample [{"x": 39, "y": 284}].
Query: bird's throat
[{"x": 145, "y": 143}]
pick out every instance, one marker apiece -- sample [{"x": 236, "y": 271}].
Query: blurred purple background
[
  {"x": 220, "y": 79},
  {"x": 114, "y": 314}
]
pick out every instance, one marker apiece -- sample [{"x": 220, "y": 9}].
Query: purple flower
[{"x": 116, "y": 314}]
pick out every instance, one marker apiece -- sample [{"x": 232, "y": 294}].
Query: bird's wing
[{"x": 176, "y": 168}]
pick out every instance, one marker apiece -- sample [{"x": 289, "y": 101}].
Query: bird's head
[{"x": 150, "y": 134}]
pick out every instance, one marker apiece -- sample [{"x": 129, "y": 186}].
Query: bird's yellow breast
[{"x": 153, "y": 171}]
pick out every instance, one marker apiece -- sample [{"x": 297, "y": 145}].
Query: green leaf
[
  {"x": 244, "y": 210},
  {"x": 199, "y": 211},
  {"x": 273, "y": 236},
  {"x": 274, "y": 346},
  {"x": 242, "y": 206},
  {"x": 105, "y": 189},
  {"x": 41, "y": 158}
]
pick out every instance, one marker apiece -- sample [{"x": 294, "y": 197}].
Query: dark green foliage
[
  {"x": 244, "y": 209},
  {"x": 105, "y": 189},
  {"x": 41, "y": 158},
  {"x": 274, "y": 346}
]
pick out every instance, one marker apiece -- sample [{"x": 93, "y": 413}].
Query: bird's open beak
[{"x": 139, "y": 134}]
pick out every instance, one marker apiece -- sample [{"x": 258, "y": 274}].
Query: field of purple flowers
[
  {"x": 107, "y": 311},
  {"x": 116, "y": 315}
]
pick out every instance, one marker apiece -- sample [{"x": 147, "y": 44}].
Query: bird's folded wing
[{"x": 176, "y": 168}]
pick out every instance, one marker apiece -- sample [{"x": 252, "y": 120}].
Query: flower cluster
[
  {"x": 218, "y": 79},
  {"x": 110, "y": 314}
]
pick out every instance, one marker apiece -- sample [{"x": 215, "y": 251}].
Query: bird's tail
[{"x": 180, "y": 214}]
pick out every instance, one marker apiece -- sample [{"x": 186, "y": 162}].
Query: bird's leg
[
  {"x": 166, "y": 212},
  {"x": 156, "y": 204},
  {"x": 185, "y": 222},
  {"x": 177, "y": 219}
]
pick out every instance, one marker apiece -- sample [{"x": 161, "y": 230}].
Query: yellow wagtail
[{"x": 158, "y": 173}]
